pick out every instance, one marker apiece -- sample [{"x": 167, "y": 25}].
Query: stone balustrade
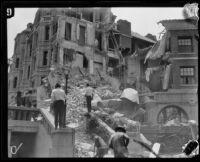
[{"x": 22, "y": 113}]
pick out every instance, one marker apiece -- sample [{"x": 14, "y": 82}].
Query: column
[
  {"x": 63, "y": 142},
  {"x": 9, "y": 141},
  {"x": 91, "y": 66}
]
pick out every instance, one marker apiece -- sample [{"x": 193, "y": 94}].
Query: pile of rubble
[
  {"x": 75, "y": 105},
  {"x": 107, "y": 92}
]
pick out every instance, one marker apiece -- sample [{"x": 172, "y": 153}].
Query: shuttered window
[
  {"x": 187, "y": 75},
  {"x": 185, "y": 44}
]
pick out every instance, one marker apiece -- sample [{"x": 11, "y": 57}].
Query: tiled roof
[
  {"x": 174, "y": 20},
  {"x": 179, "y": 24},
  {"x": 137, "y": 35}
]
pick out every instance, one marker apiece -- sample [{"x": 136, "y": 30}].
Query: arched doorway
[{"x": 170, "y": 113}]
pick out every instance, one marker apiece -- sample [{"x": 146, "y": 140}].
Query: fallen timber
[{"x": 98, "y": 126}]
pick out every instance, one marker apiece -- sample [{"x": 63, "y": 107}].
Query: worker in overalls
[
  {"x": 119, "y": 142},
  {"x": 100, "y": 147}
]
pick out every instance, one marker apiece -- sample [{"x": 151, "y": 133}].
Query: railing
[
  {"x": 46, "y": 120},
  {"x": 22, "y": 113}
]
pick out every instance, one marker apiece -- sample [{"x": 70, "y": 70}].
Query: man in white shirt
[
  {"x": 58, "y": 98},
  {"x": 89, "y": 96}
]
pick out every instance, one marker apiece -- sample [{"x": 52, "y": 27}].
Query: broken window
[
  {"x": 98, "y": 37},
  {"x": 82, "y": 35},
  {"x": 30, "y": 49},
  {"x": 28, "y": 73},
  {"x": 185, "y": 44},
  {"x": 85, "y": 62},
  {"x": 67, "y": 31},
  {"x": 44, "y": 62},
  {"x": 55, "y": 28},
  {"x": 187, "y": 75},
  {"x": 32, "y": 84},
  {"x": 42, "y": 77},
  {"x": 47, "y": 32},
  {"x": 170, "y": 113},
  {"x": 87, "y": 16},
  {"x": 15, "y": 82},
  {"x": 73, "y": 13},
  {"x": 143, "y": 68},
  {"x": 34, "y": 62},
  {"x": 17, "y": 63},
  {"x": 36, "y": 39},
  {"x": 55, "y": 54},
  {"x": 111, "y": 43},
  {"x": 68, "y": 55}
]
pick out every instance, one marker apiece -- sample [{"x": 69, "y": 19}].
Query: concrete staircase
[{"x": 37, "y": 138}]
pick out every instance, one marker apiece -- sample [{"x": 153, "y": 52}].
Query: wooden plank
[{"x": 155, "y": 148}]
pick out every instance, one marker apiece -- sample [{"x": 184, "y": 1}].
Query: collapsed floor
[
  {"x": 171, "y": 142},
  {"x": 107, "y": 113}
]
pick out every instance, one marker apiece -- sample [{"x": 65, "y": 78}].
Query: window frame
[
  {"x": 17, "y": 63},
  {"x": 185, "y": 73},
  {"x": 185, "y": 42},
  {"x": 15, "y": 82},
  {"x": 45, "y": 52},
  {"x": 47, "y": 33},
  {"x": 83, "y": 27},
  {"x": 28, "y": 72},
  {"x": 70, "y": 29}
]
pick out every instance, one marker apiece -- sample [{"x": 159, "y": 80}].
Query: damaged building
[
  {"x": 95, "y": 43},
  {"x": 169, "y": 79},
  {"x": 88, "y": 37}
]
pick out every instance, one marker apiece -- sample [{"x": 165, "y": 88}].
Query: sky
[{"x": 143, "y": 20}]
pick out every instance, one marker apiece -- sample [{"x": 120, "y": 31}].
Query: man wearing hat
[{"x": 119, "y": 142}]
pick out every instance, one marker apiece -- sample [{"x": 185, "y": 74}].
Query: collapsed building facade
[
  {"x": 95, "y": 43},
  {"x": 88, "y": 37},
  {"x": 171, "y": 73}
]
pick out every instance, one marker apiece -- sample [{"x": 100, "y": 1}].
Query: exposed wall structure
[
  {"x": 182, "y": 93},
  {"x": 57, "y": 37}
]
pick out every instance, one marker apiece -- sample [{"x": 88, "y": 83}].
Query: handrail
[
  {"x": 47, "y": 120},
  {"x": 21, "y": 113},
  {"x": 22, "y": 108}
]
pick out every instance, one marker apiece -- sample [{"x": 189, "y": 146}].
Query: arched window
[
  {"x": 15, "y": 82},
  {"x": 170, "y": 113}
]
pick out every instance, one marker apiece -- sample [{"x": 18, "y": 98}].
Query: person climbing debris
[
  {"x": 100, "y": 147},
  {"x": 119, "y": 142},
  {"x": 58, "y": 98},
  {"x": 89, "y": 96}
]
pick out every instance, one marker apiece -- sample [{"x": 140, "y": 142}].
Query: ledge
[{"x": 23, "y": 126}]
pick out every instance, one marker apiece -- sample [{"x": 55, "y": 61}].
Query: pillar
[
  {"x": 151, "y": 108},
  {"x": 9, "y": 141},
  {"x": 63, "y": 143},
  {"x": 104, "y": 64},
  {"x": 91, "y": 66},
  {"x": 60, "y": 54}
]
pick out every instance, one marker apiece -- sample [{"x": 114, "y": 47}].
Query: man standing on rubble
[
  {"x": 119, "y": 142},
  {"x": 58, "y": 98},
  {"x": 89, "y": 96}
]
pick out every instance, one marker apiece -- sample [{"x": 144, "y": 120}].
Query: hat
[{"x": 120, "y": 128}]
